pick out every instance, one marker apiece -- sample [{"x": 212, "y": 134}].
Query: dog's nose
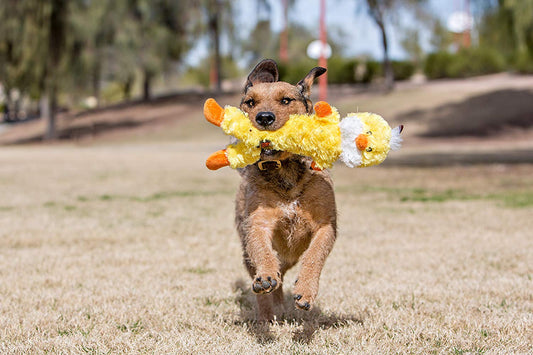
[{"x": 265, "y": 118}]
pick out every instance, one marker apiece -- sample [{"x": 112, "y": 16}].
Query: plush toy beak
[
  {"x": 361, "y": 141},
  {"x": 213, "y": 112}
]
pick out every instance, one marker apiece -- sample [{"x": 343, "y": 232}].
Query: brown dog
[{"x": 285, "y": 211}]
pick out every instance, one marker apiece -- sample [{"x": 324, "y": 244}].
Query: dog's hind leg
[{"x": 313, "y": 261}]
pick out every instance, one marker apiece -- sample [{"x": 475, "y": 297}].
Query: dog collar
[{"x": 269, "y": 165}]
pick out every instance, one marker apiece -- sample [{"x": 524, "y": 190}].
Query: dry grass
[{"x": 131, "y": 249}]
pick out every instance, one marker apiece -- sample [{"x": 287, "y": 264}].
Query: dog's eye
[
  {"x": 286, "y": 100},
  {"x": 250, "y": 103}
]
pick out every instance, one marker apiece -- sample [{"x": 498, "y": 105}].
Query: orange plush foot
[
  {"x": 217, "y": 160},
  {"x": 322, "y": 109},
  {"x": 213, "y": 112}
]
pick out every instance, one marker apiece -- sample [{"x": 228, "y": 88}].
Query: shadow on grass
[
  {"x": 81, "y": 131},
  {"x": 482, "y": 115},
  {"x": 305, "y": 323}
]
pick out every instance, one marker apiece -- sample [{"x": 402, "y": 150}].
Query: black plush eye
[
  {"x": 286, "y": 100},
  {"x": 369, "y": 149},
  {"x": 369, "y": 133},
  {"x": 250, "y": 102}
]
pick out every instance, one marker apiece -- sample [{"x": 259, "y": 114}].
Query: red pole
[
  {"x": 467, "y": 37},
  {"x": 283, "y": 41},
  {"x": 322, "y": 61}
]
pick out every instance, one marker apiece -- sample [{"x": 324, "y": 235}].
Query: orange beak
[{"x": 361, "y": 141}]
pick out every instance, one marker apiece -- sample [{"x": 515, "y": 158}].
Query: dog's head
[{"x": 270, "y": 102}]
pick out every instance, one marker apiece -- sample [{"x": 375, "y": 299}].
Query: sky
[{"x": 363, "y": 36}]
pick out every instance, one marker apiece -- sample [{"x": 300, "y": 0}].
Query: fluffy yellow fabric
[
  {"x": 378, "y": 132},
  {"x": 312, "y": 136},
  {"x": 308, "y": 135},
  {"x": 240, "y": 154}
]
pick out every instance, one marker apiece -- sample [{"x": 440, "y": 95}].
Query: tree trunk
[
  {"x": 284, "y": 34},
  {"x": 215, "y": 38},
  {"x": 387, "y": 67},
  {"x": 48, "y": 105},
  {"x": 147, "y": 86},
  {"x": 97, "y": 70},
  {"x": 127, "y": 88}
]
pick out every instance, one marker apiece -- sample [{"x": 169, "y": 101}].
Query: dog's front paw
[
  {"x": 265, "y": 283},
  {"x": 304, "y": 296}
]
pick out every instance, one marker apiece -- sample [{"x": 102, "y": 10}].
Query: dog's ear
[
  {"x": 264, "y": 72},
  {"x": 305, "y": 84}
]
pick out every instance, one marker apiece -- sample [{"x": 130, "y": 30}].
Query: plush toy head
[{"x": 367, "y": 139}]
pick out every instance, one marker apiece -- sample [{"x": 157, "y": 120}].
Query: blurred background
[{"x": 63, "y": 63}]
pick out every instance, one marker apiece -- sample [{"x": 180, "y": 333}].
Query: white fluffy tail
[{"x": 396, "y": 138}]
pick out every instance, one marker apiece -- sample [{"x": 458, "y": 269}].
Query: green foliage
[
  {"x": 436, "y": 66},
  {"x": 200, "y": 74},
  {"x": 411, "y": 44},
  {"x": 346, "y": 70},
  {"x": 403, "y": 70},
  {"x": 523, "y": 63},
  {"x": 465, "y": 63},
  {"x": 294, "y": 71},
  {"x": 373, "y": 69},
  {"x": 441, "y": 38},
  {"x": 508, "y": 26},
  {"x": 342, "y": 70}
]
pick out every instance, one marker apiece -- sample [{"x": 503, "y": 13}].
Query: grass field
[{"x": 131, "y": 249}]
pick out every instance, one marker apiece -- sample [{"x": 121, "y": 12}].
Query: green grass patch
[
  {"x": 162, "y": 195},
  {"x": 131, "y": 326},
  {"x": 423, "y": 195},
  {"x": 213, "y": 301},
  {"x": 199, "y": 270},
  {"x": 515, "y": 199},
  {"x": 511, "y": 199}
]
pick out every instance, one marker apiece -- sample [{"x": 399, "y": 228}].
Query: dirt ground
[
  {"x": 117, "y": 239},
  {"x": 130, "y": 248}
]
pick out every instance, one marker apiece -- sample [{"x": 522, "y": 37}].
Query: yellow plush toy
[{"x": 360, "y": 139}]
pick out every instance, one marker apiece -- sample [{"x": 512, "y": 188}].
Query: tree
[
  {"x": 508, "y": 26},
  {"x": 151, "y": 36},
  {"x": 382, "y": 12},
  {"x": 219, "y": 21},
  {"x": 411, "y": 44},
  {"x": 22, "y": 43},
  {"x": 94, "y": 25},
  {"x": 441, "y": 38}
]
